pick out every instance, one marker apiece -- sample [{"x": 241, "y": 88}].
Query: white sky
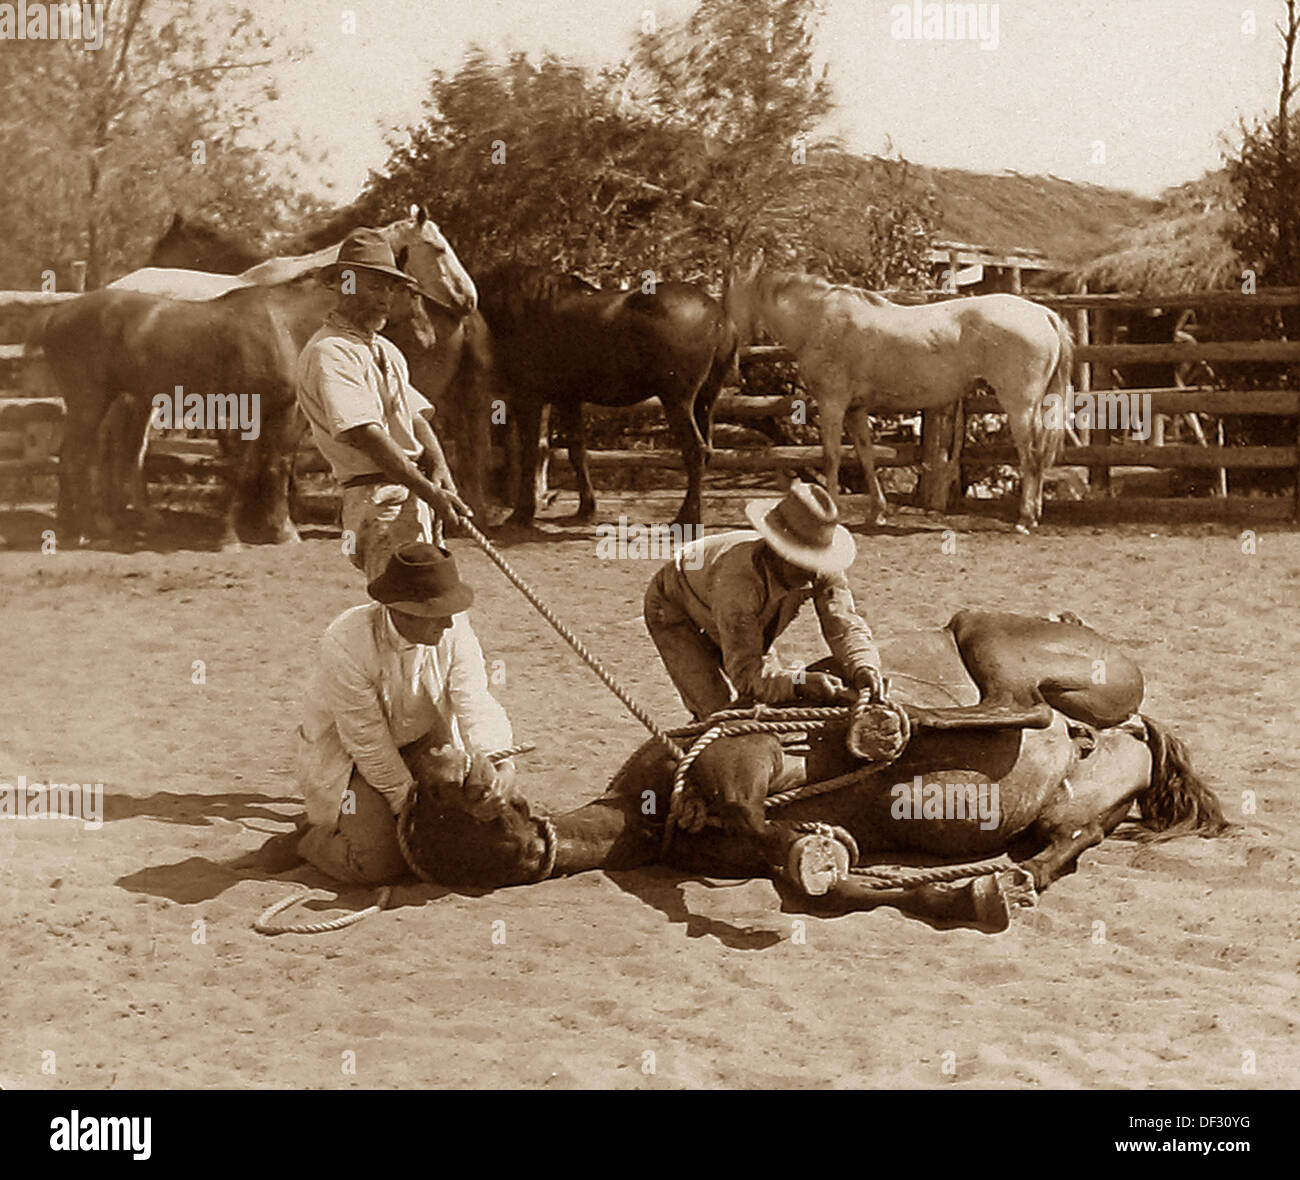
[{"x": 1157, "y": 81}]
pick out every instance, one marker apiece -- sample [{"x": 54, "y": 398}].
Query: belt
[{"x": 371, "y": 477}]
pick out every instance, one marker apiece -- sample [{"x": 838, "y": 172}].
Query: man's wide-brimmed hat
[
  {"x": 365, "y": 249},
  {"x": 803, "y": 528},
  {"x": 422, "y": 580}
]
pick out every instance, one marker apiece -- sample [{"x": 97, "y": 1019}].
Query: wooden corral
[{"x": 31, "y": 420}]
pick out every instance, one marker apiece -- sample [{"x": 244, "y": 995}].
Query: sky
[{"x": 1134, "y": 94}]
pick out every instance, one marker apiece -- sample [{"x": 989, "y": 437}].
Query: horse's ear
[
  {"x": 177, "y": 220},
  {"x": 415, "y": 213},
  {"x": 421, "y": 215}
]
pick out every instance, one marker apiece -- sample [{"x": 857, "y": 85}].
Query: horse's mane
[
  {"x": 514, "y": 283},
  {"x": 782, "y": 281}
]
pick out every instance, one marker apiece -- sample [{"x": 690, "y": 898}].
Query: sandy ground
[{"x": 131, "y": 961}]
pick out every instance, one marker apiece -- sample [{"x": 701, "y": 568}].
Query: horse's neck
[
  {"x": 589, "y": 837},
  {"x": 790, "y": 315}
]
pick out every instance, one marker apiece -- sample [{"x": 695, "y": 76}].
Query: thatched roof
[
  {"x": 1008, "y": 212},
  {"x": 1182, "y": 249}
]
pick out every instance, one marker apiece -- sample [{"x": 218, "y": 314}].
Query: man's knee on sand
[{"x": 361, "y": 847}]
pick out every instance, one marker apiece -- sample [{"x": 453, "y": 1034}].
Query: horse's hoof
[
  {"x": 997, "y": 895},
  {"x": 817, "y": 862},
  {"x": 231, "y": 547},
  {"x": 1023, "y": 529}
]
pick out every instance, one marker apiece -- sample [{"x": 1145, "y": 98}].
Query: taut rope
[{"x": 571, "y": 639}]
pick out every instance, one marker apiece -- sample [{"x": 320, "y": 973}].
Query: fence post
[
  {"x": 1083, "y": 379},
  {"x": 1103, "y": 332}
]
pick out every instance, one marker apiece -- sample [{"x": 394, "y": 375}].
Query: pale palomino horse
[{"x": 859, "y": 354}]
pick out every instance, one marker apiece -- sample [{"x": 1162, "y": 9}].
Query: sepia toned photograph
[{"x": 558, "y": 545}]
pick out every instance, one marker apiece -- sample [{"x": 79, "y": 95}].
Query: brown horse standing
[
  {"x": 1050, "y": 792},
  {"x": 557, "y": 341},
  {"x": 245, "y": 343},
  {"x": 452, "y": 374}
]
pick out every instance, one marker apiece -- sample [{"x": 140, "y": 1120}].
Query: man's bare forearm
[
  {"x": 427, "y": 437},
  {"x": 391, "y": 460}
]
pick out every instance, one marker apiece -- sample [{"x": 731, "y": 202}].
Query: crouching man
[
  {"x": 716, "y": 609},
  {"x": 404, "y": 668}
]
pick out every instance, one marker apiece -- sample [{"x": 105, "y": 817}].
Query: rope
[
  {"x": 905, "y": 877},
  {"x": 263, "y": 924},
  {"x": 569, "y": 637}
]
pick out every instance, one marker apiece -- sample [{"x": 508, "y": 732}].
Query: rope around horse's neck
[{"x": 572, "y": 640}]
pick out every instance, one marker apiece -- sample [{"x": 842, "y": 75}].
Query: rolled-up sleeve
[
  {"x": 352, "y": 697},
  {"x": 845, "y": 631},
  {"x": 483, "y": 723},
  {"x": 332, "y": 379}
]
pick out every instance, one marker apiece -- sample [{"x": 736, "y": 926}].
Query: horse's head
[
  {"x": 432, "y": 262},
  {"x": 409, "y": 308},
  {"x": 195, "y": 245},
  {"x": 741, "y": 298},
  {"x": 450, "y": 845}
]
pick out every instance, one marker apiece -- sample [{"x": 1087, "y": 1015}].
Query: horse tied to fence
[
  {"x": 1014, "y": 747},
  {"x": 859, "y": 354},
  {"x": 558, "y": 341}
]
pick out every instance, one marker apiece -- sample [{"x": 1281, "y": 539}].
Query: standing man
[
  {"x": 715, "y": 610},
  {"x": 405, "y": 667},
  {"x": 368, "y": 420}
]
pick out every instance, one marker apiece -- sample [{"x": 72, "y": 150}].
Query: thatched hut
[{"x": 1181, "y": 249}]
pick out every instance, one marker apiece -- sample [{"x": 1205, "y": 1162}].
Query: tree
[
  {"x": 697, "y": 148},
  {"x": 102, "y": 144},
  {"x": 1265, "y": 174},
  {"x": 739, "y": 84}
]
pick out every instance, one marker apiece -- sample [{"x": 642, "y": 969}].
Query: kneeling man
[
  {"x": 715, "y": 610},
  {"x": 403, "y": 668}
]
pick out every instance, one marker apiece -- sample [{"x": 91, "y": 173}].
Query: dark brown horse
[
  {"x": 192, "y": 244},
  {"x": 967, "y": 785},
  {"x": 557, "y": 341}
]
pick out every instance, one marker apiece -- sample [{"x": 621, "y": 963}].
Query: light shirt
[
  {"x": 346, "y": 378},
  {"x": 372, "y": 691},
  {"x": 727, "y": 589}
]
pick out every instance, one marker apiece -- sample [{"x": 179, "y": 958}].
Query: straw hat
[{"x": 803, "y": 528}]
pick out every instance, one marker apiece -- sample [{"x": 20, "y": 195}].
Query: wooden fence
[{"x": 30, "y": 426}]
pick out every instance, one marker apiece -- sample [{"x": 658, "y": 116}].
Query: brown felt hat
[
  {"x": 365, "y": 249},
  {"x": 422, "y": 580},
  {"x": 803, "y": 528}
]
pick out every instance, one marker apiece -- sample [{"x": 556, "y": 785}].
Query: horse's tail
[
  {"x": 1178, "y": 801},
  {"x": 38, "y": 377},
  {"x": 1047, "y": 427},
  {"x": 723, "y": 370}
]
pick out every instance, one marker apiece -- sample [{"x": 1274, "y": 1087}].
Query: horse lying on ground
[
  {"x": 860, "y": 354},
  {"x": 558, "y": 341},
  {"x": 1025, "y": 740}
]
